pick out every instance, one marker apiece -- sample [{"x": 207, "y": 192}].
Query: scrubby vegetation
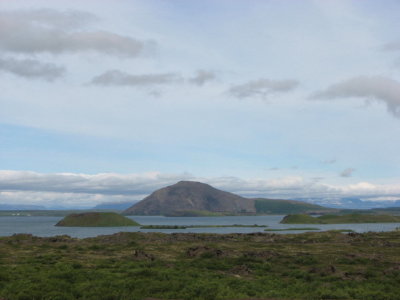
[
  {"x": 340, "y": 219},
  {"x": 270, "y": 206},
  {"x": 317, "y": 265},
  {"x": 96, "y": 219}
]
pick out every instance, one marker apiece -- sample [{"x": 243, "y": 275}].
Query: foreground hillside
[
  {"x": 327, "y": 265},
  {"x": 189, "y": 198}
]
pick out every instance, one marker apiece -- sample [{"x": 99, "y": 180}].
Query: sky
[{"x": 106, "y": 101}]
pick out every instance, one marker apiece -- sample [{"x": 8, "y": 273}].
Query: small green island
[
  {"x": 340, "y": 219},
  {"x": 96, "y": 219}
]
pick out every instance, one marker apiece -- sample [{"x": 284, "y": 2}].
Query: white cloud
[
  {"x": 56, "y": 199},
  {"x": 262, "y": 88},
  {"x": 107, "y": 183},
  {"x": 369, "y": 88},
  {"x": 116, "y": 77},
  {"x": 31, "y": 68},
  {"x": 51, "y": 31}
]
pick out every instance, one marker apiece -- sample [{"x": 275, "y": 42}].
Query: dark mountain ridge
[{"x": 191, "y": 196}]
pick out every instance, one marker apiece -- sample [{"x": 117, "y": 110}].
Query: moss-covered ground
[{"x": 317, "y": 265}]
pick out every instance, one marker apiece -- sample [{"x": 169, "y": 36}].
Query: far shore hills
[{"x": 196, "y": 199}]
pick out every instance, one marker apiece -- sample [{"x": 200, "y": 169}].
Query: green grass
[
  {"x": 340, "y": 219},
  {"x": 269, "y": 206},
  {"x": 96, "y": 219},
  {"x": 314, "y": 265},
  {"x": 293, "y": 228}
]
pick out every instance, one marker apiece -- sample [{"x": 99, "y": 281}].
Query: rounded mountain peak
[
  {"x": 189, "y": 183},
  {"x": 191, "y": 196}
]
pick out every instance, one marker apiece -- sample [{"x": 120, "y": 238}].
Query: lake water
[{"x": 44, "y": 226}]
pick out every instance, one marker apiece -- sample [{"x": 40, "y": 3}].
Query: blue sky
[{"x": 274, "y": 98}]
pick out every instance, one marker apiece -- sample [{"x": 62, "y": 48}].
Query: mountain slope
[{"x": 191, "y": 196}]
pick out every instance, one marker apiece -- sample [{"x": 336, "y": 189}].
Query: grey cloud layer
[
  {"x": 202, "y": 77},
  {"x": 329, "y": 161},
  {"x": 347, "y": 172},
  {"x": 108, "y": 184},
  {"x": 120, "y": 78},
  {"x": 262, "y": 88},
  {"x": 30, "y": 68},
  {"x": 377, "y": 88},
  {"x": 49, "y": 31},
  {"x": 116, "y": 77},
  {"x": 72, "y": 19},
  {"x": 393, "y": 46}
]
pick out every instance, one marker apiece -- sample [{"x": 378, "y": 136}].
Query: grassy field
[
  {"x": 318, "y": 265},
  {"x": 340, "y": 219}
]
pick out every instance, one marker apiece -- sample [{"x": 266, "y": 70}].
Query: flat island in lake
[
  {"x": 199, "y": 226},
  {"x": 96, "y": 219},
  {"x": 340, "y": 219},
  {"x": 292, "y": 229}
]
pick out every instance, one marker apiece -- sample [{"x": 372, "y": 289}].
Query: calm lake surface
[{"x": 44, "y": 226}]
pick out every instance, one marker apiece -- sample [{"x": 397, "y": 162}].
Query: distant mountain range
[
  {"x": 21, "y": 207},
  {"x": 102, "y": 206},
  {"x": 188, "y": 198}
]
